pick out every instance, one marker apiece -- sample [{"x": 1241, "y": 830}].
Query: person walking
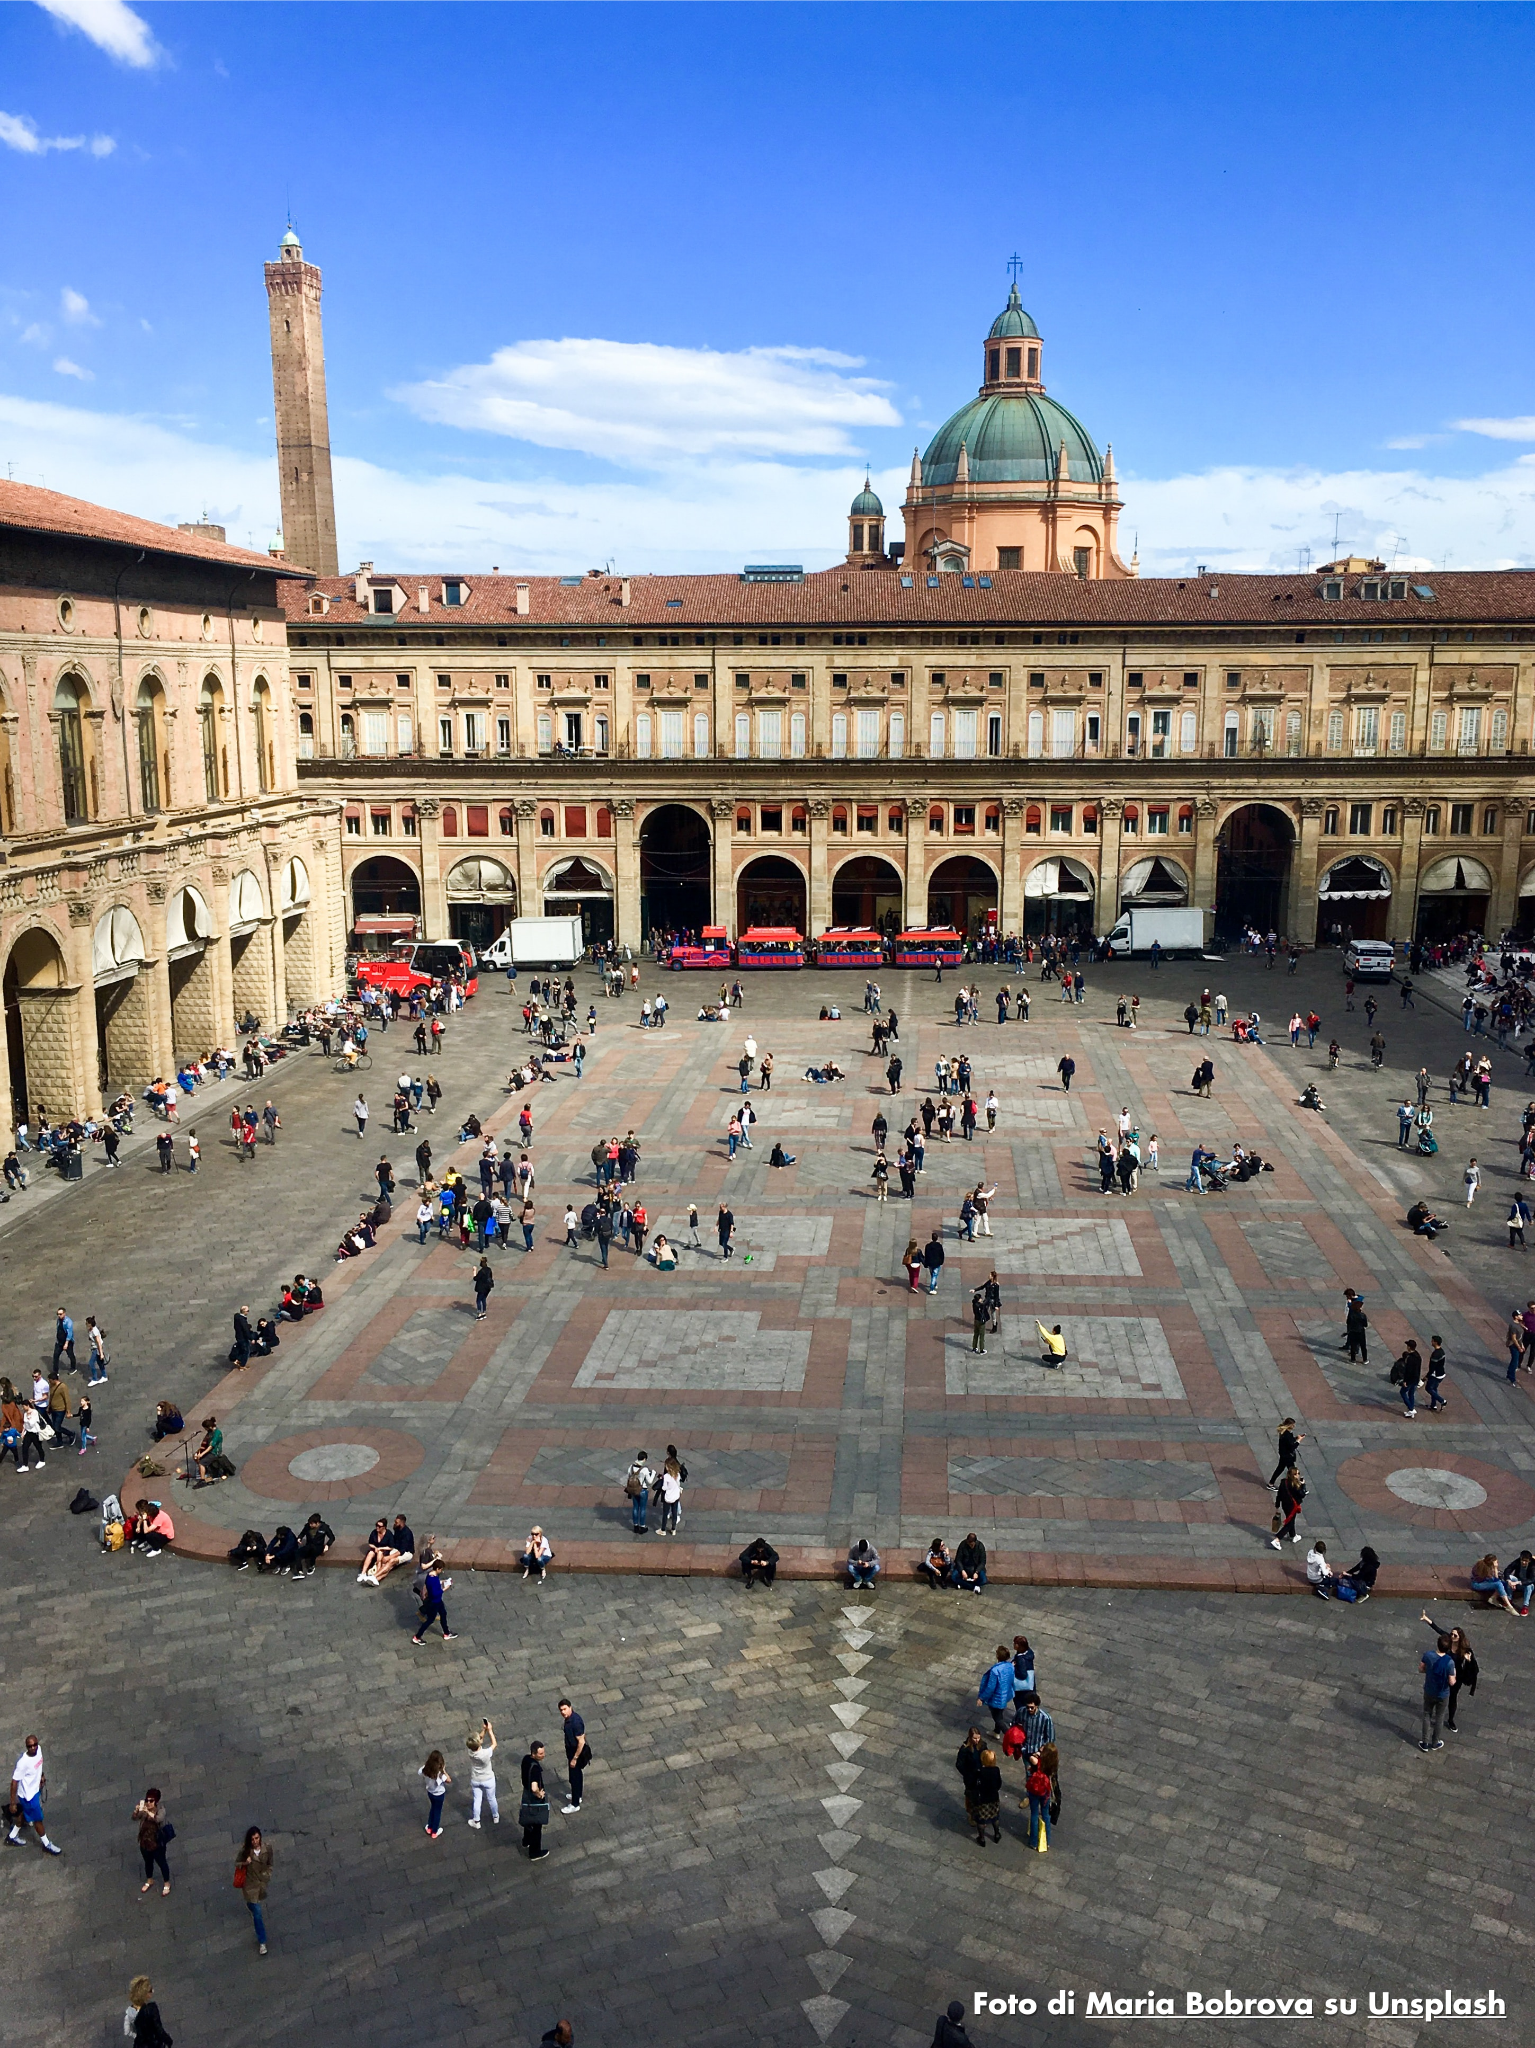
[
  {"x": 527, "y": 1220},
  {"x": 1473, "y": 1180},
  {"x": 484, "y": 1281},
  {"x": 578, "y": 1754},
  {"x": 29, "y": 1782},
  {"x": 1289, "y": 1450},
  {"x": 893, "y": 1074},
  {"x": 1433, "y": 1379},
  {"x": 998, "y": 1687},
  {"x": 1438, "y": 1669},
  {"x": 64, "y": 1340},
  {"x": 360, "y": 1112},
  {"x": 1066, "y": 1066},
  {"x": 932, "y": 1260},
  {"x": 1407, "y": 1374},
  {"x": 1288, "y": 1502},
  {"x": 253, "y": 1875},
  {"x": 437, "y": 1779},
  {"x": 724, "y": 1230},
  {"x": 482, "y": 1773},
  {"x": 1355, "y": 1327},
  {"x": 155, "y": 1836},
  {"x": 534, "y": 1810},
  {"x": 432, "y": 1609},
  {"x": 142, "y": 2023}
]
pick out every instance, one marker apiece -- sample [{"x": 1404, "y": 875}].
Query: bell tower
[{"x": 303, "y": 424}]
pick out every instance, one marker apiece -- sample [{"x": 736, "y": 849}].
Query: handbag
[
  {"x": 533, "y": 1813},
  {"x": 167, "y": 1834},
  {"x": 1276, "y": 1522},
  {"x": 239, "y": 1877}
]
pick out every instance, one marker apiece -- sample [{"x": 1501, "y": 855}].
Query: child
[
  {"x": 1151, "y": 1153},
  {"x": 83, "y": 1410}
]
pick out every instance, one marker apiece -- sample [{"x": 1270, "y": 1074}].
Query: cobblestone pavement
[
  {"x": 771, "y": 1847},
  {"x": 814, "y": 1396}
]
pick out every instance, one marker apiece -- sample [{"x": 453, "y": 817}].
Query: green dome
[
  {"x": 1012, "y": 321},
  {"x": 1011, "y": 439},
  {"x": 289, "y": 240},
  {"x": 866, "y": 505}
]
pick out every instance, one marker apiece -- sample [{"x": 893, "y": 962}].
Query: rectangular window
[
  {"x": 574, "y": 735},
  {"x": 1094, "y": 732},
  {"x": 770, "y": 734},
  {"x": 1335, "y": 732},
  {"x": 641, "y": 736},
  {"x": 839, "y": 736},
  {"x": 1060, "y": 820},
  {"x": 1461, "y": 816},
  {"x": 1063, "y": 732},
  {"x": 444, "y": 735},
  {"x": 354, "y": 824},
  {"x": 575, "y": 821},
  {"x": 699, "y": 682},
  {"x": 994, "y": 735},
  {"x": 472, "y": 723},
  {"x": 504, "y": 735},
  {"x": 1367, "y": 729},
  {"x": 964, "y": 820},
  {"x": 546, "y": 733},
  {"x": 505, "y": 682},
  {"x": 1231, "y": 735},
  {"x": 599, "y": 735},
  {"x": 1036, "y": 679},
  {"x": 1233, "y": 679},
  {"x": 408, "y": 821},
  {"x": 405, "y": 732},
  {"x": 1263, "y": 729},
  {"x": 1397, "y": 732},
  {"x": 1500, "y": 730},
  {"x": 964, "y": 735},
  {"x": 935, "y": 736},
  {"x": 1330, "y": 821},
  {"x": 1191, "y": 679},
  {"x": 797, "y": 731},
  {"x": 671, "y": 735},
  {"x": 1133, "y": 733},
  {"x": 1438, "y": 729},
  {"x": 868, "y": 734},
  {"x": 1186, "y": 821},
  {"x": 770, "y": 818},
  {"x": 1156, "y": 820},
  {"x": 896, "y": 728},
  {"x": 743, "y": 682},
  {"x": 380, "y": 821},
  {"x": 1360, "y": 819},
  {"x": 640, "y": 682},
  {"x": 477, "y": 821},
  {"x": 1009, "y": 558},
  {"x": 1489, "y": 819},
  {"x": 375, "y": 732},
  {"x": 1431, "y": 822},
  {"x": 1388, "y": 821},
  {"x": 1161, "y": 734},
  {"x": 1188, "y": 732},
  {"x": 1015, "y": 362},
  {"x": 868, "y": 817},
  {"x": 743, "y": 735},
  {"x": 1470, "y": 729},
  {"x": 700, "y": 735}
]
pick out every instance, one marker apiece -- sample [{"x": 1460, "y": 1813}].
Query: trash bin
[{"x": 73, "y": 1166}]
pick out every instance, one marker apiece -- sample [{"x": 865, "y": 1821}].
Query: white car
[{"x": 1369, "y": 959}]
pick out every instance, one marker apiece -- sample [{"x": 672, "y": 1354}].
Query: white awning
[
  {"x": 1157, "y": 880},
  {"x": 1063, "y": 877},
  {"x": 247, "y": 906},
  {"x": 295, "y": 886},
  {"x": 1457, "y": 874},
  {"x": 117, "y": 947},
  {"x": 188, "y": 923},
  {"x": 480, "y": 878},
  {"x": 1358, "y": 879}
]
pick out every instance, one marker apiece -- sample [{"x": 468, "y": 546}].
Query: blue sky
[{"x": 650, "y": 283}]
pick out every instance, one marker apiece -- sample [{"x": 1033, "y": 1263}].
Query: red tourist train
[
  {"x": 713, "y": 950},
  {"x": 850, "y": 946},
  {"x": 770, "y": 946},
  {"x": 928, "y": 948}
]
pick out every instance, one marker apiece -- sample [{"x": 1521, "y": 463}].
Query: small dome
[
  {"x": 289, "y": 240},
  {"x": 1011, "y": 438},
  {"x": 866, "y": 505},
  {"x": 1012, "y": 321}
]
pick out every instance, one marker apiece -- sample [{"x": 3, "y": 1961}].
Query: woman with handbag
[
  {"x": 1288, "y": 1502},
  {"x": 142, "y": 2024},
  {"x": 534, "y": 1811},
  {"x": 253, "y": 1873},
  {"x": 155, "y": 1836}
]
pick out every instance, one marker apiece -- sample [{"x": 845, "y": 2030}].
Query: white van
[{"x": 1369, "y": 959}]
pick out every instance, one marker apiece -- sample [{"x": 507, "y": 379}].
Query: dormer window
[
  {"x": 383, "y": 600},
  {"x": 453, "y": 594}
]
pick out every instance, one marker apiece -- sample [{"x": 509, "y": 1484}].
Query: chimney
[
  {"x": 624, "y": 591},
  {"x": 522, "y": 598},
  {"x": 423, "y": 599},
  {"x": 360, "y": 583}
]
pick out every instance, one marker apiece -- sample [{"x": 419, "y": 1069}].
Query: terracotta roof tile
[
  {"x": 33, "y": 510},
  {"x": 876, "y": 597}
]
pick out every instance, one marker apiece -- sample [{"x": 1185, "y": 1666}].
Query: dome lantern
[
  {"x": 1012, "y": 352},
  {"x": 866, "y": 529}
]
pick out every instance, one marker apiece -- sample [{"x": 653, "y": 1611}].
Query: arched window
[
  {"x": 896, "y": 818},
  {"x": 266, "y": 764},
  {"x": 68, "y": 700},
  {"x": 839, "y": 819},
  {"x": 604, "y": 822},
  {"x": 799, "y": 819},
  {"x": 1130, "y": 824},
  {"x": 935, "y": 818},
  {"x": 1032, "y": 820},
  {"x": 1185, "y": 819},
  {"x": 546, "y": 823},
  {"x": 743, "y": 821},
  {"x": 1089, "y": 819},
  {"x": 148, "y": 712},
  {"x": 306, "y": 735},
  {"x": 993, "y": 820},
  {"x": 506, "y": 818},
  {"x": 208, "y": 704},
  {"x": 449, "y": 822}
]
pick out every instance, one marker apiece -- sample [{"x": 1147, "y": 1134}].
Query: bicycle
[{"x": 360, "y": 1064}]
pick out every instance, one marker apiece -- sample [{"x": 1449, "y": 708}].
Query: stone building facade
[
  {"x": 1346, "y": 750},
  {"x": 160, "y": 872}
]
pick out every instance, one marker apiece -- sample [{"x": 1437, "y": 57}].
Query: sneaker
[
  {"x": 243, "y": 1567},
  {"x": 1432, "y": 1745},
  {"x": 451, "y": 1636},
  {"x": 53, "y": 1849},
  {"x": 475, "y": 1825},
  {"x": 544, "y": 1852},
  {"x": 362, "y": 1578},
  {"x": 417, "y": 1641},
  {"x": 1274, "y": 1542},
  {"x": 570, "y": 1809},
  {"x": 22, "y": 1471},
  {"x": 977, "y": 1592}
]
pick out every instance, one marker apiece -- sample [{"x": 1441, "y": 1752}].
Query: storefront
[
  {"x": 1453, "y": 897},
  {"x": 1353, "y": 901},
  {"x": 1058, "y": 898}
]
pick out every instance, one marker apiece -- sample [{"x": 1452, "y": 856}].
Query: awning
[
  {"x": 1061, "y": 877},
  {"x": 1355, "y": 880},
  {"x": 385, "y": 924},
  {"x": 1154, "y": 881},
  {"x": 117, "y": 947},
  {"x": 480, "y": 878},
  {"x": 1455, "y": 875}
]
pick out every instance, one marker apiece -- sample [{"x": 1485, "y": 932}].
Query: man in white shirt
[{"x": 27, "y": 1782}]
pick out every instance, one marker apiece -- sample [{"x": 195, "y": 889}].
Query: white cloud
[
  {"x": 38, "y": 335},
  {"x": 639, "y": 403},
  {"x": 1520, "y": 428},
  {"x": 76, "y": 308},
  {"x": 112, "y": 26},
  {"x": 19, "y": 132},
  {"x": 66, "y": 368}
]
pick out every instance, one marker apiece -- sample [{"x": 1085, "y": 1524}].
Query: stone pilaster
[
  {"x": 1011, "y": 907},
  {"x": 626, "y": 876},
  {"x": 1110, "y": 812},
  {"x": 722, "y": 812},
  {"x": 1299, "y": 909},
  {"x": 916, "y": 858},
  {"x": 820, "y": 868}
]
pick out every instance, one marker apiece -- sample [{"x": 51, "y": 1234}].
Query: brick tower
[{"x": 303, "y": 427}]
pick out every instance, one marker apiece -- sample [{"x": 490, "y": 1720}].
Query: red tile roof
[
  {"x": 878, "y": 597},
  {"x": 29, "y": 509}
]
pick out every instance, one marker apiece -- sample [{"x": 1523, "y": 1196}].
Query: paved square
[
  {"x": 703, "y": 1350},
  {"x": 1080, "y": 1246},
  {"x": 1108, "y": 1358}
]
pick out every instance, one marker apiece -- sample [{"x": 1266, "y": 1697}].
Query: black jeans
[
  {"x": 533, "y": 1838},
  {"x": 577, "y": 1782},
  {"x": 432, "y": 1611},
  {"x": 759, "y": 1571},
  {"x": 151, "y": 1858}
]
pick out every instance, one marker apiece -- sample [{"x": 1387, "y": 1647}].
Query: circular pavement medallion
[
  {"x": 1431, "y": 1486},
  {"x": 341, "y": 1461}
]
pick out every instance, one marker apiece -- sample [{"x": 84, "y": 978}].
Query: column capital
[
  {"x": 1111, "y": 807},
  {"x": 1311, "y": 807}
]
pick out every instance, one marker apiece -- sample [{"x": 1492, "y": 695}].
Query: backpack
[
  {"x": 84, "y": 1503},
  {"x": 113, "y": 1535},
  {"x": 634, "y": 1485},
  {"x": 1395, "y": 1374}
]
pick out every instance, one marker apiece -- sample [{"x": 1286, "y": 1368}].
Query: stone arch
[
  {"x": 676, "y": 878},
  {"x": 250, "y": 950},
  {"x": 300, "y": 977},
  {"x": 1255, "y": 852},
  {"x": 581, "y": 887},
  {"x": 771, "y": 890},
  {"x": 386, "y": 900},
  {"x": 41, "y": 1026},
  {"x": 960, "y": 892},
  {"x": 868, "y": 890},
  {"x": 193, "y": 980},
  {"x": 1454, "y": 895},
  {"x": 1155, "y": 880},
  {"x": 124, "y": 1022},
  {"x": 1058, "y": 896}
]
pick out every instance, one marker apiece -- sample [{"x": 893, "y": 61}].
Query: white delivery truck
[
  {"x": 1175, "y": 931},
  {"x": 536, "y": 942}
]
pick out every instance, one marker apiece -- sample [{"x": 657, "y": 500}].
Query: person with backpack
[
  {"x": 1355, "y": 1324},
  {"x": 637, "y": 1484},
  {"x": 980, "y": 1315}
]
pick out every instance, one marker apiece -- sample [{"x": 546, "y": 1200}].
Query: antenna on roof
[
  {"x": 1303, "y": 559},
  {"x": 1337, "y": 520}
]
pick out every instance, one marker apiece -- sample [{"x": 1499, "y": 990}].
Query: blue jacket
[{"x": 999, "y": 1685}]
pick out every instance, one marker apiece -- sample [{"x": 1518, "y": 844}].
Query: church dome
[
  {"x": 866, "y": 505},
  {"x": 1012, "y": 321},
  {"x": 1011, "y": 439}
]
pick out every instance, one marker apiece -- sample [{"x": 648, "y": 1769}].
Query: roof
[
  {"x": 1010, "y": 438},
  {"x": 867, "y": 504},
  {"x": 1012, "y": 321},
  {"x": 909, "y": 597},
  {"x": 27, "y": 508}
]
